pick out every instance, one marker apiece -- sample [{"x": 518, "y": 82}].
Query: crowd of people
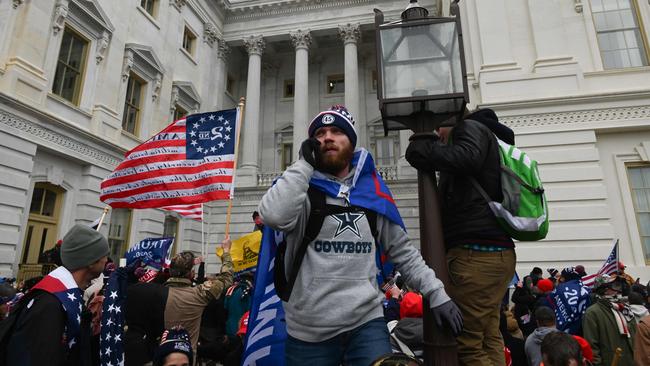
[
  {"x": 176, "y": 317},
  {"x": 610, "y": 323},
  {"x": 341, "y": 233}
]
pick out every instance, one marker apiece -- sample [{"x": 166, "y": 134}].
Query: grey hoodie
[
  {"x": 533, "y": 345},
  {"x": 336, "y": 289}
]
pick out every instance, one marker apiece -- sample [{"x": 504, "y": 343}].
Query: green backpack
[{"x": 523, "y": 213}]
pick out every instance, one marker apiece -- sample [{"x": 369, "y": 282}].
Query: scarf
[
  {"x": 61, "y": 284},
  {"x": 622, "y": 314},
  {"x": 366, "y": 189}
]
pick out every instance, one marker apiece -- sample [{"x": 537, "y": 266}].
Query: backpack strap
[
  {"x": 319, "y": 210},
  {"x": 317, "y": 214}
]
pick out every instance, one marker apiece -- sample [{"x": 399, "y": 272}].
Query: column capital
[
  {"x": 301, "y": 39},
  {"x": 224, "y": 49},
  {"x": 210, "y": 35},
  {"x": 254, "y": 45},
  {"x": 350, "y": 33}
]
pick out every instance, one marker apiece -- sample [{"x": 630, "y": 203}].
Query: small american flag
[
  {"x": 191, "y": 161},
  {"x": 194, "y": 211},
  {"x": 111, "y": 351},
  {"x": 610, "y": 267}
]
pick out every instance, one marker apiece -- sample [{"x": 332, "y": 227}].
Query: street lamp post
[{"x": 422, "y": 82}]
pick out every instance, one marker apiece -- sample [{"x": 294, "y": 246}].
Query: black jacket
[
  {"x": 37, "y": 338},
  {"x": 472, "y": 152},
  {"x": 145, "y": 309}
]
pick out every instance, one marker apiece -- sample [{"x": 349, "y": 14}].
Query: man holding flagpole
[{"x": 338, "y": 216}]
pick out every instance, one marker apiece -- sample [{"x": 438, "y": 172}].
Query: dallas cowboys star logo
[{"x": 347, "y": 222}]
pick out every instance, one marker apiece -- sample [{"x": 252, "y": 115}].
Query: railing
[
  {"x": 387, "y": 173},
  {"x": 265, "y": 179},
  {"x": 27, "y": 271}
]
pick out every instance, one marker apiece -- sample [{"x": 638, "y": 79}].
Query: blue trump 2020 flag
[
  {"x": 571, "y": 300},
  {"x": 264, "y": 343},
  {"x": 153, "y": 252}
]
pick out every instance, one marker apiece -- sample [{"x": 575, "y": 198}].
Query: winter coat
[
  {"x": 601, "y": 331},
  {"x": 472, "y": 152},
  {"x": 642, "y": 342},
  {"x": 534, "y": 345},
  {"x": 185, "y": 303},
  {"x": 639, "y": 312},
  {"x": 145, "y": 311},
  {"x": 38, "y": 336}
]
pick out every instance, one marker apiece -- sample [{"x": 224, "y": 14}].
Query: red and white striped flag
[
  {"x": 191, "y": 161},
  {"x": 610, "y": 267},
  {"x": 194, "y": 211}
]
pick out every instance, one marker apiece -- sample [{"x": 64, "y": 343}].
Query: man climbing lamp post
[{"x": 422, "y": 83}]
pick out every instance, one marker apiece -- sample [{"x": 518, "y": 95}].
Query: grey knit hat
[{"x": 82, "y": 246}]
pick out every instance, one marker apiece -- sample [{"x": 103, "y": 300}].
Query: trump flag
[
  {"x": 266, "y": 334},
  {"x": 190, "y": 161}
]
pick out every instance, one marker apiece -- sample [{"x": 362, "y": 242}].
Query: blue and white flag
[
  {"x": 367, "y": 190},
  {"x": 153, "y": 252},
  {"x": 111, "y": 352},
  {"x": 264, "y": 343},
  {"x": 570, "y": 300}
]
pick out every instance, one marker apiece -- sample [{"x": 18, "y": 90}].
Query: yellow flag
[{"x": 244, "y": 251}]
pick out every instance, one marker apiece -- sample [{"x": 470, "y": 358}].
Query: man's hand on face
[{"x": 310, "y": 151}]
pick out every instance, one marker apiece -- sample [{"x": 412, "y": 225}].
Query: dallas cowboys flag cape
[{"x": 264, "y": 343}]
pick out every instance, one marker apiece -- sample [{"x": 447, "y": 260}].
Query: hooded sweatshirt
[
  {"x": 534, "y": 345},
  {"x": 336, "y": 288}
]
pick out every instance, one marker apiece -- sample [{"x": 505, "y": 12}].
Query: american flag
[
  {"x": 610, "y": 267},
  {"x": 191, "y": 161},
  {"x": 194, "y": 211},
  {"x": 111, "y": 352}
]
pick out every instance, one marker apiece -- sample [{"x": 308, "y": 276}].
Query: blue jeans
[{"x": 357, "y": 347}]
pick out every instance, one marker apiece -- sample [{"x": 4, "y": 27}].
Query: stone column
[
  {"x": 249, "y": 143},
  {"x": 496, "y": 49},
  {"x": 351, "y": 34},
  {"x": 301, "y": 41},
  {"x": 222, "y": 73}
]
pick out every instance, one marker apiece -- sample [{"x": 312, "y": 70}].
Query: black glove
[
  {"x": 310, "y": 151},
  {"x": 451, "y": 315},
  {"x": 420, "y": 152}
]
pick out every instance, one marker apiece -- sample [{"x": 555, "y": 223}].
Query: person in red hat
[{"x": 621, "y": 273}]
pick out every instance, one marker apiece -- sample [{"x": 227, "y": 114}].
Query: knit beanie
[
  {"x": 411, "y": 306},
  {"x": 172, "y": 341},
  {"x": 82, "y": 246},
  {"x": 337, "y": 116}
]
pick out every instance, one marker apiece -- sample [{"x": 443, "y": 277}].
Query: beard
[{"x": 333, "y": 164}]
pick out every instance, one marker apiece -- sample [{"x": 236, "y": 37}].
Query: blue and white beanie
[{"x": 337, "y": 116}]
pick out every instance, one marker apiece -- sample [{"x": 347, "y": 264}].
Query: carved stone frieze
[
  {"x": 102, "y": 46},
  {"x": 578, "y": 6},
  {"x": 254, "y": 45},
  {"x": 18, "y": 3},
  {"x": 210, "y": 35},
  {"x": 60, "y": 13},
  {"x": 127, "y": 64},
  {"x": 350, "y": 33},
  {"x": 301, "y": 38},
  {"x": 78, "y": 148},
  {"x": 578, "y": 117},
  {"x": 157, "y": 85},
  {"x": 224, "y": 50},
  {"x": 178, "y": 4}
]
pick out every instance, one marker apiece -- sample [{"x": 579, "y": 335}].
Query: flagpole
[
  {"x": 240, "y": 123},
  {"x": 101, "y": 219},
  {"x": 618, "y": 258},
  {"x": 202, "y": 234}
]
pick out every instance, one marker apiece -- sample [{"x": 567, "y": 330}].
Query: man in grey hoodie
[
  {"x": 545, "y": 324},
  {"x": 334, "y": 313}
]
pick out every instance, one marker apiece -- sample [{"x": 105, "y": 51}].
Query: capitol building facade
[{"x": 84, "y": 81}]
